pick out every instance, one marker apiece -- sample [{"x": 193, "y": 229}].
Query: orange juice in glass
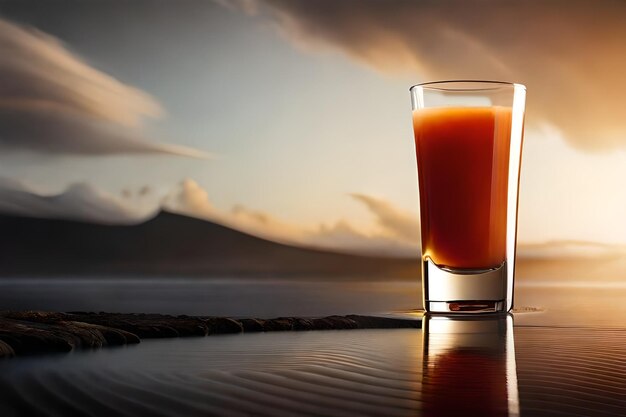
[{"x": 468, "y": 142}]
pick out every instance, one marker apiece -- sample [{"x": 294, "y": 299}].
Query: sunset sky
[{"x": 292, "y": 118}]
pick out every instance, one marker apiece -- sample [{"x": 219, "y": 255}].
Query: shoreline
[{"x": 36, "y": 332}]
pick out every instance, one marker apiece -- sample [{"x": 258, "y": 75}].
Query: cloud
[
  {"x": 397, "y": 223},
  {"x": 247, "y": 6},
  {"x": 88, "y": 203},
  {"x": 53, "y": 101},
  {"x": 570, "y": 249},
  {"x": 263, "y": 224},
  {"x": 190, "y": 199},
  {"x": 342, "y": 236},
  {"x": 81, "y": 202},
  {"x": 396, "y": 238},
  {"x": 568, "y": 53}
]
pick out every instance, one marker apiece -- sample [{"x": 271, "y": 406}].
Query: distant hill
[{"x": 172, "y": 245}]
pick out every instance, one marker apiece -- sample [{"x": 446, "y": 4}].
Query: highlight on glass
[{"x": 468, "y": 143}]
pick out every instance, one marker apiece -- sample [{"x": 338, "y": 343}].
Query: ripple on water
[{"x": 560, "y": 371}]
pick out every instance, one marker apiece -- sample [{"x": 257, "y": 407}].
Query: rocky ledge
[{"x": 31, "y": 332}]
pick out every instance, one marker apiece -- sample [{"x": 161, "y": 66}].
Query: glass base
[{"x": 466, "y": 291}]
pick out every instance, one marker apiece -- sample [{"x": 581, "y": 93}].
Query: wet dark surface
[
  {"x": 561, "y": 354},
  {"x": 498, "y": 371}
]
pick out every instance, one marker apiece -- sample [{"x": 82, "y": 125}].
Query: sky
[{"x": 292, "y": 119}]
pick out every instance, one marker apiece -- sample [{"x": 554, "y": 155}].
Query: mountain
[{"x": 170, "y": 245}]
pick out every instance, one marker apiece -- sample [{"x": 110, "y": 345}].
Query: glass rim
[{"x": 441, "y": 85}]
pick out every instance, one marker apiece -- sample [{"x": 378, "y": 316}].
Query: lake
[
  {"x": 567, "y": 303},
  {"x": 562, "y": 353}
]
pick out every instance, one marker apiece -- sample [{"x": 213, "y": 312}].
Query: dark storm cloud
[
  {"x": 570, "y": 54},
  {"x": 52, "y": 101}
]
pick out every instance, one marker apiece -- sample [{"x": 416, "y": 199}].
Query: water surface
[
  {"x": 565, "y": 355},
  {"x": 569, "y": 304}
]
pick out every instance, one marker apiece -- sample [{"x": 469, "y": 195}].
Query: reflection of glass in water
[{"x": 469, "y": 366}]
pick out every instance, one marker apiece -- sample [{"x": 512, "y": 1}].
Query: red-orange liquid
[
  {"x": 466, "y": 382},
  {"x": 463, "y": 162}
]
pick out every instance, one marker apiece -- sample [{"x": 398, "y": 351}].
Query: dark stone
[
  {"x": 28, "y": 338},
  {"x": 280, "y": 324},
  {"x": 35, "y": 316},
  {"x": 6, "y": 351},
  {"x": 223, "y": 325},
  {"x": 372, "y": 322},
  {"x": 28, "y": 332},
  {"x": 251, "y": 325},
  {"x": 334, "y": 323},
  {"x": 87, "y": 336},
  {"x": 146, "y": 325},
  {"x": 322, "y": 324},
  {"x": 112, "y": 336},
  {"x": 302, "y": 324}
]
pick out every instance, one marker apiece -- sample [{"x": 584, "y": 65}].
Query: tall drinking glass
[{"x": 468, "y": 142}]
